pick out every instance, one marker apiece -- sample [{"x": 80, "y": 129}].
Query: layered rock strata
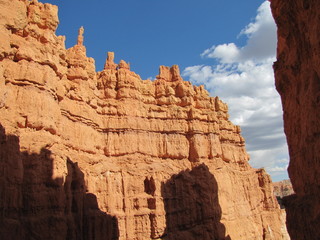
[
  {"x": 106, "y": 155},
  {"x": 297, "y": 74}
]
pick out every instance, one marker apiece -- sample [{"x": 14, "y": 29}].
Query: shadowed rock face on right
[{"x": 297, "y": 73}]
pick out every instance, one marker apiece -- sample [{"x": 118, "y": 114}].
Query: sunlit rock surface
[{"x": 106, "y": 155}]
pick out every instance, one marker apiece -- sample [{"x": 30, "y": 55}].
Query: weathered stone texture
[
  {"x": 86, "y": 155},
  {"x": 297, "y": 74},
  {"x": 283, "y": 188}
]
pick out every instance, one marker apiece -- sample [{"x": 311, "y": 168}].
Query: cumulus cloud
[
  {"x": 227, "y": 53},
  {"x": 243, "y": 77},
  {"x": 261, "y": 44}
]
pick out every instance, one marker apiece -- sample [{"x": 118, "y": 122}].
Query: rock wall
[
  {"x": 106, "y": 155},
  {"x": 297, "y": 74}
]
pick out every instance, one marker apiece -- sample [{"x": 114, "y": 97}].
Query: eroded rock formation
[
  {"x": 297, "y": 74},
  {"x": 283, "y": 188},
  {"x": 87, "y": 155}
]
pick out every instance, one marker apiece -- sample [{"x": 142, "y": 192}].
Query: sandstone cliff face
[
  {"x": 86, "y": 155},
  {"x": 297, "y": 76}
]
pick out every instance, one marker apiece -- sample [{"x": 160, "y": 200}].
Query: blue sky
[
  {"x": 229, "y": 46},
  {"x": 149, "y": 33}
]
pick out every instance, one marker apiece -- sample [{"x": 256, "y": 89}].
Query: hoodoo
[{"x": 106, "y": 155}]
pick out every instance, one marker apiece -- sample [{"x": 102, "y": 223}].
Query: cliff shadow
[
  {"x": 34, "y": 205},
  {"x": 302, "y": 212},
  {"x": 192, "y": 206}
]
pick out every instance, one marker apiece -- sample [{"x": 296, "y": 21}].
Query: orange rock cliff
[
  {"x": 106, "y": 155},
  {"x": 297, "y": 74}
]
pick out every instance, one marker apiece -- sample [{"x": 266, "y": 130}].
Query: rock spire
[{"x": 107, "y": 155}]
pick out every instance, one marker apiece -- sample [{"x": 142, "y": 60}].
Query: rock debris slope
[
  {"x": 106, "y": 155},
  {"x": 297, "y": 74}
]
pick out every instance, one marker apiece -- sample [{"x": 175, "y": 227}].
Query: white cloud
[
  {"x": 227, "y": 53},
  {"x": 278, "y": 169},
  {"x": 244, "y": 79},
  {"x": 261, "y": 42}
]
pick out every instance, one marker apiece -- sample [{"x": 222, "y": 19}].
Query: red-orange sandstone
[
  {"x": 87, "y": 155},
  {"x": 297, "y": 74}
]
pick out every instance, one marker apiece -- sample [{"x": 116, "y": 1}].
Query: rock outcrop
[
  {"x": 283, "y": 188},
  {"x": 297, "y": 74},
  {"x": 87, "y": 155}
]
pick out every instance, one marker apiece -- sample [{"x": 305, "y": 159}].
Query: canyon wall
[
  {"x": 106, "y": 155},
  {"x": 297, "y": 74}
]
